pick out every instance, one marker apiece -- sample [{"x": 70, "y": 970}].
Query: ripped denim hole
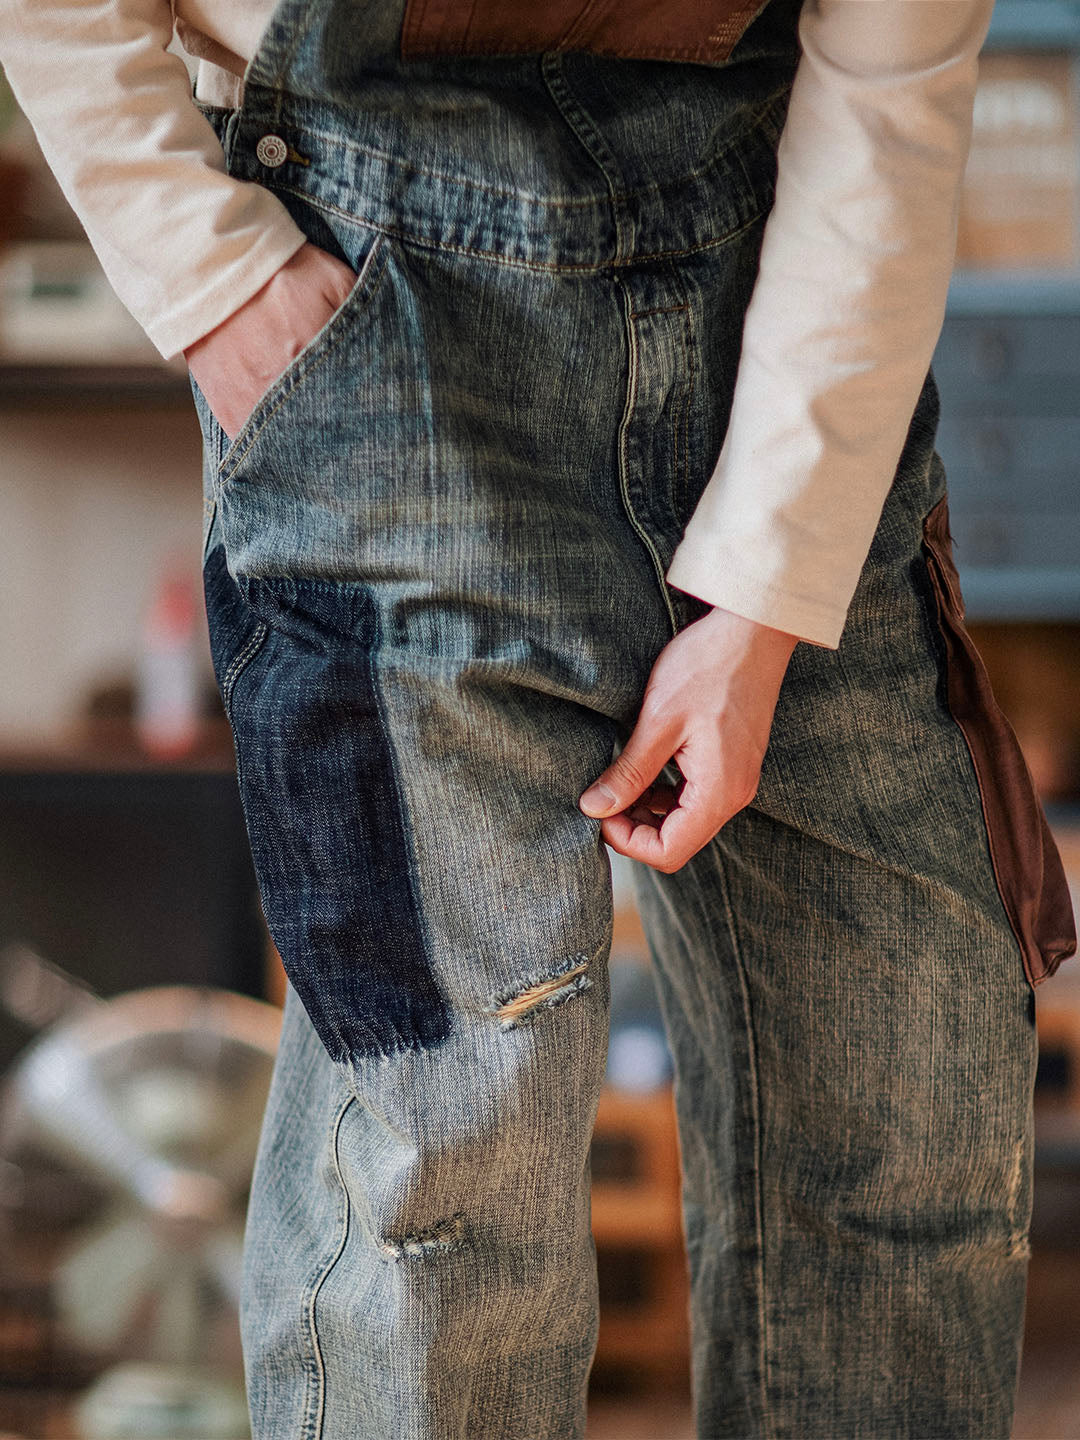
[
  {"x": 448, "y": 1234},
  {"x": 520, "y": 1006}
]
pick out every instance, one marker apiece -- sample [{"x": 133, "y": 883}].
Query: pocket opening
[{"x": 318, "y": 348}]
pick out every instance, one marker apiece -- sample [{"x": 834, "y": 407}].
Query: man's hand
[
  {"x": 235, "y": 364},
  {"x": 708, "y": 705}
]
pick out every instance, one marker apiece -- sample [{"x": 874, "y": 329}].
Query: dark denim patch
[{"x": 324, "y": 809}]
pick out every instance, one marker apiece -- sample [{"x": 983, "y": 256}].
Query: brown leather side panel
[
  {"x": 705, "y": 31},
  {"x": 1027, "y": 865}
]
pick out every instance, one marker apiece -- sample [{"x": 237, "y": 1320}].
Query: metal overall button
[{"x": 271, "y": 151}]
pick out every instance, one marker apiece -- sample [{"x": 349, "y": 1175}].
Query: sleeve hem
[
  {"x": 716, "y": 578},
  {"x": 233, "y": 286}
]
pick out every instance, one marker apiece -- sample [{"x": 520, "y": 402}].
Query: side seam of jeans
[
  {"x": 766, "y": 1432},
  {"x": 315, "y": 1402}
]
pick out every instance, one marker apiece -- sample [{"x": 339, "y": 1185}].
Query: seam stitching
[
  {"x": 753, "y": 131},
  {"x": 240, "y": 662},
  {"x": 656, "y": 310},
  {"x": 691, "y": 381},
  {"x": 594, "y": 267},
  {"x": 680, "y": 486},
  {"x": 319, "y": 1414},
  {"x": 582, "y": 126},
  {"x": 633, "y": 371},
  {"x": 408, "y": 843},
  {"x": 768, "y": 1432}
]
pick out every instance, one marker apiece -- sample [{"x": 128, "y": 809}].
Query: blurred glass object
[{"x": 153, "y": 1402}]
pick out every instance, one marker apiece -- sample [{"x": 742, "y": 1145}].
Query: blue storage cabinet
[{"x": 1008, "y": 368}]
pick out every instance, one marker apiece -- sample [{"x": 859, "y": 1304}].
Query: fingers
[
  {"x": 654, "y": 822},
  {"x": 664, "y": 842},
  {"x": 663, "y": 826},
  {"x": 709, "y": 707},
  {"x": 656, "y": 802},
  {"x": 235, "y": 364},
  {"x": 625, "y": 781}
]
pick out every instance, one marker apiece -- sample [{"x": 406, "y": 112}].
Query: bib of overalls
[{"x": 705, "y": 31}]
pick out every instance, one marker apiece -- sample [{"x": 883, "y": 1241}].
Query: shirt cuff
[
  {"x": 234, "y": 284},
  {"x": 714, "y": 573}
]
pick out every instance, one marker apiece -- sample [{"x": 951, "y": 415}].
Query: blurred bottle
[{"x": 168, "y": 679}]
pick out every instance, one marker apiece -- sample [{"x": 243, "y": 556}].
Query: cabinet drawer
[
  {"x": 1000, "y": 351},
  {"x": 1030, "y": 456},
  {"x": 1013, "y": 537}
]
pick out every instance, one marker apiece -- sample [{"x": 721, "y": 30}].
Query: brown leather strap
[{"x": 705, "y": 31}]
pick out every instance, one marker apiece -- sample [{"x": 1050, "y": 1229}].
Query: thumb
[{"x": 631, "y": 773}]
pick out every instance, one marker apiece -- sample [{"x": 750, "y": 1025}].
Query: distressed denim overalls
[{"x": 434, "y": 566}]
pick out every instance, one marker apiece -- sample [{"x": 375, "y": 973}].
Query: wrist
[
  {"x": 222, "y": 332},
  {"x": 755, "y": 634}
]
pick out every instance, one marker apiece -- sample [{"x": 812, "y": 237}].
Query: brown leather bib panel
[
  {"x": 1030, "y": 876},
  {"x": 704, "y": 31}
]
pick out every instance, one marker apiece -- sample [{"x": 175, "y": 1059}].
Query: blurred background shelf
[{"x": 89, "y": 384}]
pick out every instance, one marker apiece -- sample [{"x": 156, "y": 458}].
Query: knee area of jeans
[
  {"x": 427, "y": 1242},
  {"x": 517, "y": 1006},
  {"x": 508, "y": 1243},
  {"x": 498, "y": 1216},
  {"x": 442, "y": 1142}
]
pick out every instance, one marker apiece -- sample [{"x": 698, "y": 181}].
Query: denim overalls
[{"x": 434, "y": 564}]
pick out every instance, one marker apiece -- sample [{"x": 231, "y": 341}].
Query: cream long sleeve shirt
[{"x": 842, "y": 323}]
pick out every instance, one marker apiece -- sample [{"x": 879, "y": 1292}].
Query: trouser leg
[
  {"x": 436, "y": 604},
  {"x": 855, "y": 1046},
  {"x": 413, "y": 731},
  {"x": 419, "y": 1260}
]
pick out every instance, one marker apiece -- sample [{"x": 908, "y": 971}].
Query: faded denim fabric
[{"x": 434, "y": 566}]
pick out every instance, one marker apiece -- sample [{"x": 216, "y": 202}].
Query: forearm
[
  {"x": 183, "y": 243},
  {"x": 846, "y": 311}
]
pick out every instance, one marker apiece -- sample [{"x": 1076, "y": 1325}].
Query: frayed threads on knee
[
  {"x": 448, "y": 1234},
  {"x": 520, "y": 1006}
]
